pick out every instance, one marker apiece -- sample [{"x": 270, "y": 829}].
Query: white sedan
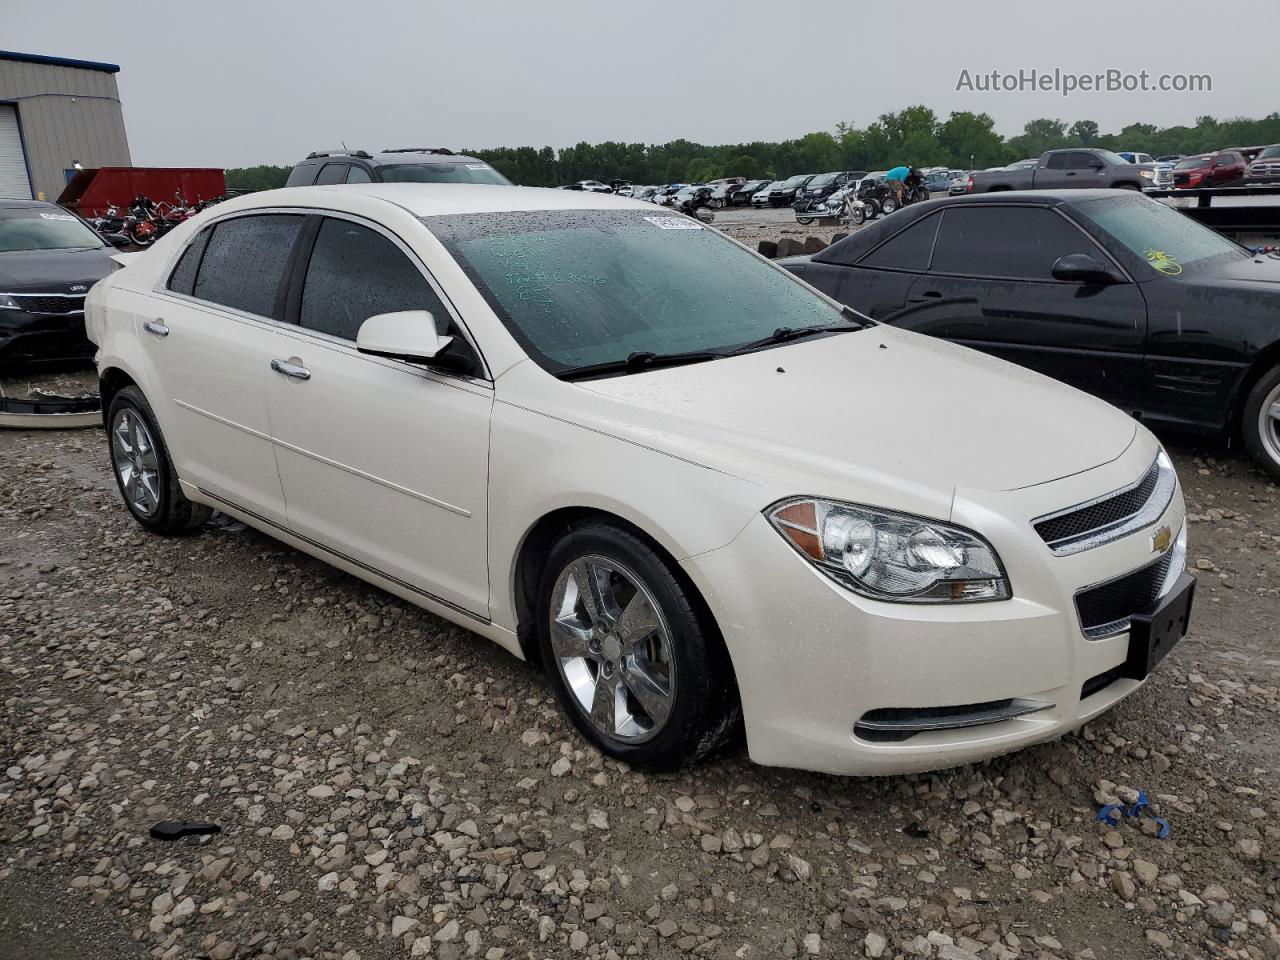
[{"x": 705, "y": 497}]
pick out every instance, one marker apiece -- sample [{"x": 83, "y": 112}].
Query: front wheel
[
  {"x": 857, "y": 215},
  {"x": 1260, "y": 422},
  {"x": 804, "y": 221},
  {"x": 144, "y": 473},
  {"x": 634, "y": 659}
]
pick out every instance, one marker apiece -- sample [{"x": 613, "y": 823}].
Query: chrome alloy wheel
[
  {"x": 134, "y": 454},
  {"x": 613, "y": 648},
  {"x": 1269, "y": 424}
]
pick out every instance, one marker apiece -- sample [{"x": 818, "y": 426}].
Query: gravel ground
[{"x": 388, "y": 785}]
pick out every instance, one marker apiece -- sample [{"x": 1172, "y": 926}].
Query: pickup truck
[{"x": 1062, "y": 169}]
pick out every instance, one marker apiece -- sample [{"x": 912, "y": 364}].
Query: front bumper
[
  {"x": 34, "y": 337},
  {"x": 812, "y": 658}
]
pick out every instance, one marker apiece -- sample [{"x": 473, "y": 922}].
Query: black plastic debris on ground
[{"x": 178, "y": 829}]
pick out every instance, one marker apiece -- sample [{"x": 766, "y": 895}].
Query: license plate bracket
[{"x": 1155, "y": 631}]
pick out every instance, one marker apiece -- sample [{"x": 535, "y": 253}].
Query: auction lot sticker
[{"x": 674, "y": 223}]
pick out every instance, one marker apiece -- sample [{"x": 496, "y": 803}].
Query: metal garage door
[{"x": 13, "y": 165}]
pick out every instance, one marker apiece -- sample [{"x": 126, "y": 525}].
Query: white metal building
[{"x": 55, "y": 113}]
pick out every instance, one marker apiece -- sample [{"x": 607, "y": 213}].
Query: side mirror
[
  {"x": 407, "y": 335},
  {"x": 1082, "y": 268}
]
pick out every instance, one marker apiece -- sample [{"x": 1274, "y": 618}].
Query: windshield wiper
[
  {"x": 640, "y": 360},
  {"x": 787, "y": 334}
]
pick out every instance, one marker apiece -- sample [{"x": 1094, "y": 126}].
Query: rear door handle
[
  {"x": 290, "y": 369},
  {"x": 156, "y": 327}
]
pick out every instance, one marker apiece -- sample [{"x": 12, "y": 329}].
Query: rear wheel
[
  {"x": 804, "y": 221},
  {"x": 635, "y": 662},
  {"x": 144, "y": 473},
  {"x": 888, "y": 205},
  {"x": 1260, "y": 422}
]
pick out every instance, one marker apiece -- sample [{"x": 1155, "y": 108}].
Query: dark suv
[{"x": 402, "y": 165}]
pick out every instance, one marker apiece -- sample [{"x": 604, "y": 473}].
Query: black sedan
[
  {"x": 49, "y": 259},
  {"x": 1106, "y": 290}
]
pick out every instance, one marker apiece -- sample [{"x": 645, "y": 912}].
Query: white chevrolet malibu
[{"x": 702, "y": 495}]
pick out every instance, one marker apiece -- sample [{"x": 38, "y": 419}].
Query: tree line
[{"x": 915, "y": 135}]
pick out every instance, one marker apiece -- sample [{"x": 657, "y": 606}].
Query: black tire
[
  {"x": 888, "y": 205},
  {"x": 857, "y": 215},
  {"x": 705, "y": 713},
  {"x": 173, "y": 514},
  {"x": 1128, "y": 186},
  {"x": 804, "y": 221},
  {"x": 1262, "y": 431}
]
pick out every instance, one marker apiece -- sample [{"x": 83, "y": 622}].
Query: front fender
[{"x": 541, "y": 464}]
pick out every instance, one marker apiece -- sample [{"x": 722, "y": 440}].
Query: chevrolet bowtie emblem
[{"x": 1161, "y": 539}]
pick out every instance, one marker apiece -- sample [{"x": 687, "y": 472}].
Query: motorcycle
[
  {"x": 878, "y": 197},
  {"x": 143, "y": 225},
  {"x": 843, "y": 206},
  {"x": 112, "y": 226}
]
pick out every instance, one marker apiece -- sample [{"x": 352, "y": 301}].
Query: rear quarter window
[{"x": 302, "y": 175}]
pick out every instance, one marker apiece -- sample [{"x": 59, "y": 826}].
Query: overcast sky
[{"x": 236, "y": 83}]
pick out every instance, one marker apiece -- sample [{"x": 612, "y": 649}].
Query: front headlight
[
  {"x": 1146, "y": 173},
  {"x": 891, "y": 556},
  {"x": 8, "y": 303}
]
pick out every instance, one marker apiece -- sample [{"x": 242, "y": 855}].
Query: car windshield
[
  {"x": 1191, "y": 163},
  {"x": 578, "y": 288},
  {"x": 1169, "y": 241},
  {"x": 442, "y": 173},
  {"x": 823, "y": 179},
  {"x": 1268, "y": 154},
  {"x": 795, "y": 181},
  {"x": 43, "y": 228}
]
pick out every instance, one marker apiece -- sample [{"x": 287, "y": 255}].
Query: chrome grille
[
  {"x": 1107, "y": 609},
  {"x": 1112, "y": 516},
  {"x": 48, "y": 302}
]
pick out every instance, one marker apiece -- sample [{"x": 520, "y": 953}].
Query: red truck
[
  {"x": 90, "y": 192},
  {"x": 1209, "y": 170}
]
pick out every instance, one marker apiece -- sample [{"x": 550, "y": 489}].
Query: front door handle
[
  {"x": 156, "y": 327},
  {"x": 927, "y": 295},
  {"x": 291, "y": 369}
]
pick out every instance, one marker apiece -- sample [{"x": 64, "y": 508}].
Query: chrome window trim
[
  {"x": 161, "y": 287},
  {"x": 1145, "y": 516}
]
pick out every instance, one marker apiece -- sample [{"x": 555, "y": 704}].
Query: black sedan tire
[
  {"x": 634, "y": 658},
  {"x": 1260, "y": 422},
  {"x": 143, "y": 470}
]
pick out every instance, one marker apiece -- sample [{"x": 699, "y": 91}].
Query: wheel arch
[
  {"x": 1268, "y": 358},
  {"x": 537, "y": 544},
  {"x": 111, "y": 380}
]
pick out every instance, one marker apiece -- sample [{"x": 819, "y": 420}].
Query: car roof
[
  {"x": 435, "y": 199},
  {"x": 384, "y": 157}
]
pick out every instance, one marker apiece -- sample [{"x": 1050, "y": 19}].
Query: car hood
[
  {"x": 52, "y": 271},
  {"x": 1239, "y": 270},
  {"x": 861, "y": 414}
]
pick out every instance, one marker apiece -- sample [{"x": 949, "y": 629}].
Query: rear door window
[
  {"x": 244, "y": 262},
  {"x": 355, "y": 273},
  {"x": 358, "y": 174},
  {"x": 994, "y": 241},
  {"x": 908, "y": 250}
]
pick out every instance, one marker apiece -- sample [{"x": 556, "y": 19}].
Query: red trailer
[{"x": 90, "y": 192}]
